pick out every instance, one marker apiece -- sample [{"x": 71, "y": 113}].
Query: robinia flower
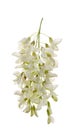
[{"x": 35, "y": 77}]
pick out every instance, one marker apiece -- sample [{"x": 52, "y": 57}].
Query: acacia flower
[{"x": 35, "y": 76}]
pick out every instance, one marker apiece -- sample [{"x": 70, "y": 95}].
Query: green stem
[{"x": 38, "y": 34}]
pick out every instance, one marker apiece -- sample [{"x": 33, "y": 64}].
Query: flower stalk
[{"x": 38, "y": 34}]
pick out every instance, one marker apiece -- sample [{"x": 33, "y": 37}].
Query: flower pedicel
[{"x": 35, "y": 77}]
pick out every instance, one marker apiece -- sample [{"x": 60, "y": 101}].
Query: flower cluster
[{"x": 35, "y": 75}]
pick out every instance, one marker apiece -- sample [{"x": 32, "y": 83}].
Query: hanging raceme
[{"x": 35, "y": 76}]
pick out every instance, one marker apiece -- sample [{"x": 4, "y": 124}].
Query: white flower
[{"x": 36, "y": 64}]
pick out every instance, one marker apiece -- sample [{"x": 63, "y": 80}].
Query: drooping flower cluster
[{"x": 35, "y": 75}]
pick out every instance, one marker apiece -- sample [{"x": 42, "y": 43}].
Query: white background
[{"x": 20, "y": 18}]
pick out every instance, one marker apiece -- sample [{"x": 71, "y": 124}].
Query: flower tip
[{"x": 50, "y": 119}]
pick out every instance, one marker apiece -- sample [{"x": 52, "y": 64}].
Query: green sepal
[{"x": 50, "y": 40}]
